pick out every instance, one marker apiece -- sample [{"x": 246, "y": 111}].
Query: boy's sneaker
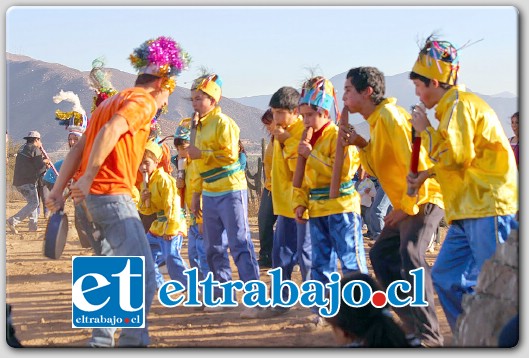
[
  {"x": 251, "y": 312},
  {"x": 11, "y": 226},
  {"x": 218, "y": 309}
]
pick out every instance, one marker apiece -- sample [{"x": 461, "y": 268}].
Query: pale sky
[{"x": 256, "y": 50}]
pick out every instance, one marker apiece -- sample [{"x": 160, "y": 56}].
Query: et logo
[{"x": 108, "y": 292}]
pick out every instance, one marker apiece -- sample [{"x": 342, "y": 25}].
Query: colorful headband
[
  {"x": 99, "y": 80},
  {"x": 154, "y": 148},
  {"x": 210, "y": 84},
  {"x": 161, "y": 57},
  {"x": 438, "y": 60},
  {"x": 319, "y": 92},
  {"x": 75, "y": 120}
]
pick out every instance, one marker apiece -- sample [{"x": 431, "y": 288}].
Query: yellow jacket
[
  {"x": 165, "y": 203},
  {"x": 218, "y": 139},
  {"x": 284, "y": 161},
  {"x": 314, "y": 193},
  {"x": 267, "y": 162},
  {"x": 388, "y": 154},
  {"x": 473, "y": 159},
  {"x": 192, "y": 176}
]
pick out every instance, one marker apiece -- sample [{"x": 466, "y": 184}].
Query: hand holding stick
[
  {"x": 300, "y": 164},
  {"x": 415, "y": 151},
  {"x": 48, "y": 157},
  {"x": 147, "y": 201},
  {"x": 334, "y": 190}
]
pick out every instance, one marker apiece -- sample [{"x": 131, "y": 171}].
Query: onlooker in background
[
  {"x": 379, "y": 209},
  {"x": 367, "y": 191},
  {"x": 29, "y": 166},
  {"x": 514, "y": 140},
  {"x": 266, "y": 218}
]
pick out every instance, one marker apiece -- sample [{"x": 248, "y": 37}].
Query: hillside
[
  {"x": 31, "y": 84},
  {"x": 399, "y": 86}
]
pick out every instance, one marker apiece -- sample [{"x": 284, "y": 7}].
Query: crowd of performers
[{"x": 120, "y": 170}]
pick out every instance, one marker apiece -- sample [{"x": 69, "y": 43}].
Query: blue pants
[
  {"x": 196, "y": 251},
  {"x": 229, "y": 212},
  {"x": 122, "y": 229},
  {"x": 168, "y": 251},
  {"x": 85, "y": 229},
  {"x": 292, "y": 246},
  {"x": 467, "y": 245},
  {"x": 337, "y": 235},
  {"x": 29, "y": 192},
  {"x": 378, "y": 211}
]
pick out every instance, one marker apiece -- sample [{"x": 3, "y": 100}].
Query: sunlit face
[
  {"x": 182, "y": 150},
  {"x": 148, "y": 165},
  {"x": 352, "y": 99},
  {"x": 72, "y": 139},
  {"x": 202, "y": 103},
  {"x": 312, "y": 118},
  {"x": 161, "y": 97},
  {"x": 270, "y": 126},
  {"x": 284, "y": 117},
  {"x": 514, "y": 124},
  {"x": 425, "y": 93}
]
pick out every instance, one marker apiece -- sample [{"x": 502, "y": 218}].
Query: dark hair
[
  {"x": 373, "y": 326},
  {"x": 426, "y": 80},
  {"x": 285, "y": 98},
  {"x": 241, "y": 147},
  {"x": 145, "y": 78},
  {"x": 363, "y": 77},
  {"x": 267, "y": 117},
  {"x": 517, "y": 115},
  {"x": 31, "y": 140},
  {"x": 424, "y": 51},
  {"x": 180, "y": 141}
]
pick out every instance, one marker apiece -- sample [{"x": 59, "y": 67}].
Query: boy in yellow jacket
[
  {"x": 474, "y": 165},
  {"x": 223, "y": 186},
  {"x": 186, "y": 173},
  {"x": 335, "y": 224},
  {"x": 409, "y": 227},
  {"x": 167, "y": 232}
]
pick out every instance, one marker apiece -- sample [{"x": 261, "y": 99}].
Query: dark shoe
[{"x": 265, "y": 261}]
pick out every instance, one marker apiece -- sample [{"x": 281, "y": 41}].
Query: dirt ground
[{"x": 39, "y": 289}]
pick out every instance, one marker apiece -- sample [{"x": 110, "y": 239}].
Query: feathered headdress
[
  {"x": 162, "y": 57},
  {"x": 210, "y": 84},
  {"x": 438, "y": 60},
  {"x": 75, "y": 120},
  {"x": 99, "y": 80},
  {"x": 319, "y": 92}
]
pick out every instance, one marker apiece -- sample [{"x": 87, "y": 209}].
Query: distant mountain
[
  {"x": 31, "y": 85},
  {"x": 399, "y": 86}
]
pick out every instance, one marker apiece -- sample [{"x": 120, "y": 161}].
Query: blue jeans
[
  {"x": 29, "y": 192},
  {"x": 122, "y": 229},
  {"x": 292, "y": 245},
  {"x": 168, "y": 251},
  {"x": 85, "y": 229},
  {"x": 229, "y": 213},
  {"x": 196, "y": 251},
  {"x": 467, "y": 245},
  {"x": 377, "y": 212}
]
